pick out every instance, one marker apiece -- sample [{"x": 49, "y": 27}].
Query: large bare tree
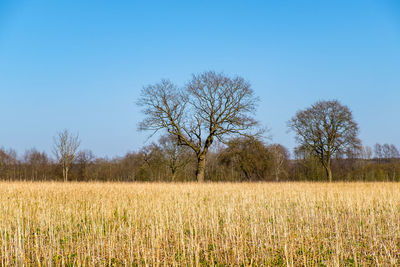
[
  {"x": 211, "y": 106},
  {"x": 65, "y": 149},
  {"x": 326, "y": 129}
]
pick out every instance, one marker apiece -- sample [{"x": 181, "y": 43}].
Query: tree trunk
[
  {"x": 201, "y": 167},
  {"x": 173, "y": 174},
  {"x": 327, "y": 166},
  {"x": 277, "y": 171},
  {"x": 65, "y": 174},
  {"x": 328, "y": 172}
]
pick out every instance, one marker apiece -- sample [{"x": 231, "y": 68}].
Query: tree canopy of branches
[
  {"x": 65, "y": 149},
  {"x": 211, "y": 106},
  {"x": 326, "y": 129}
]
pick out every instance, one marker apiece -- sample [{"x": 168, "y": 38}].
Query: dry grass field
[{"x": 261, "y": 224}]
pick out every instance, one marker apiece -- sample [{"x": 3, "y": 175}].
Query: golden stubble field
[{"x": 242, "y": 224}]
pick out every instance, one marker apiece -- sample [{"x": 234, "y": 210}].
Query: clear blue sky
[{"x": 81, "y": 64}]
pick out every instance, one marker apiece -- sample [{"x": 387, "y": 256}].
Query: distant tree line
[
  {"x": 208, "y": 133},
  {"x": 241, "y": 159}
]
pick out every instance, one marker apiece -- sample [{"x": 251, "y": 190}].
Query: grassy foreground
[{"x": 199, "y": 224}]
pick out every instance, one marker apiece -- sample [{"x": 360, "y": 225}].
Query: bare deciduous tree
[
  {"x": 36, "y": 161},
  {"x": 84, "y": 159},
  {"x": 280, "y": 157},
  {"x": 326, "y": 129},
  {"x": 211, "y": 106},
  {"x": 394, "y": 152},
  {"x": 378, "y": 151},
  {"x": 366, "y": 152},
  {"x": 154, "y": 160},
  {"x": 8, "y": 162},
  {"x": 65, "y": 149},
  {"x": 177, "y": 156},
  {"x": 387, "y": 152}
]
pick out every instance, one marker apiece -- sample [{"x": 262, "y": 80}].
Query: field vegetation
[{"x": 192, "y": 224}]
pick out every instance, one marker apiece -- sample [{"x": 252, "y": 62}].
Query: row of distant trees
[
  {"x": 209, "y": 133},
  {"x": 241, "y": 159}
]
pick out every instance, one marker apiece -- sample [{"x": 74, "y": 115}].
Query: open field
[{"x": 200, "y": 224}]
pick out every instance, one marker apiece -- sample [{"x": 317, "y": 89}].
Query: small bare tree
[
  {"x": 280, "y": 157},
  {"x": 37, "y": 163},
  {"x": 387, "y": 152},
  {"x": 366, "y": 152},
  {"x": 394, "y": 152},
  {"x": 84, "y": 160},
  {"x": 177, "y": 156},
  {"x": 326, "y": 129},
  {"x": 378, "y": 151},
  {"x": 211, "y": 106},
  {"x": 65, "y": 149}
]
